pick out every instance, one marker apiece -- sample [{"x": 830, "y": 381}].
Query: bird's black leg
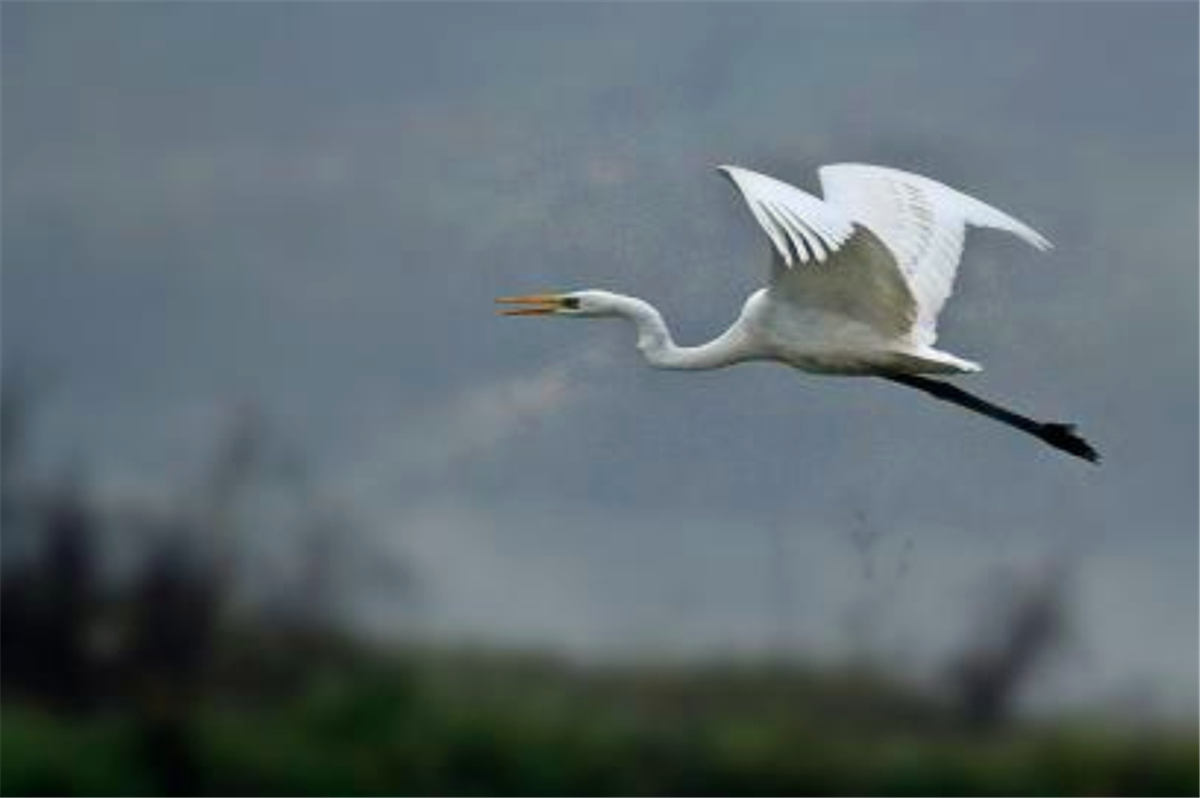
[{"x": 1060, "y": 436}]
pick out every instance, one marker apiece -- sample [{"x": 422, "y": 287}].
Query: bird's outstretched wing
[
  {"x": 922, "y": 222},
  {"x": 823, "y": 260},
  {"x": 802, "y": 227}
]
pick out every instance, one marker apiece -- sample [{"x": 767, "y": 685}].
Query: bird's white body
[
  {"x": 823, "y": 342},
  {"x": 769, "y": 329}
]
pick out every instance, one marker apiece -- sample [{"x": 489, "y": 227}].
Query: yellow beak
[{"x": 535, "y": 304}]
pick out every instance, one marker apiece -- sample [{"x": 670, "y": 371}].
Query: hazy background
[{"x": 308, "y": 209}]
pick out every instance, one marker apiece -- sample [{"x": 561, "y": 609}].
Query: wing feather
[
  {"x": 792, "y": 241},
  {"x": 855, "y": 275},
  {"x": 799, "y": 232},
  {"x": 922, "y": 222},
  {"x": 773, "y": 228},
  {"x": 789, "y": 216}
]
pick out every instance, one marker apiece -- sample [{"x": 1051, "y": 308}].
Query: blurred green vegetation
[{"x": 446, "y": 722}]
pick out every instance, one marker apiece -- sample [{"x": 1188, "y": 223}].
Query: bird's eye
[{"x": 570, "y": 303}]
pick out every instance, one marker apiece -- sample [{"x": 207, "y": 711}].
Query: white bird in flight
[{"x": 857, "y": 281}]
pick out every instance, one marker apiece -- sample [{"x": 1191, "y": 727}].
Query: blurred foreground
[
  {"x": 198, "y": 663},
  {"x": 470, "y": 724}
]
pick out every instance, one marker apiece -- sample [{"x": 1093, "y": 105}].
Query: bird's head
[{"x": 574, "y": 304}]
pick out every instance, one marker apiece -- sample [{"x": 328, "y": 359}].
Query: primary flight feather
[{"x": 857, "y": 282}]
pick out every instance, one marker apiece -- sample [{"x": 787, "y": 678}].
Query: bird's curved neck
[{"x": 660, "y": 350}]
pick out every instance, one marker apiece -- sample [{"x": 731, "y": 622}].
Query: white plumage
[
  {"x": 921, "y": 222},
  {"x": 857, "y": 282}
]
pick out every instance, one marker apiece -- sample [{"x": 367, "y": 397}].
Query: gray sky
[{"x": 311, "y": 206}]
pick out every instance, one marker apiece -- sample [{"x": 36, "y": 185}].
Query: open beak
[{"x": 533, "y": 304}]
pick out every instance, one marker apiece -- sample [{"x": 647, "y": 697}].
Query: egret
[{"x": 857, "y": 280}]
